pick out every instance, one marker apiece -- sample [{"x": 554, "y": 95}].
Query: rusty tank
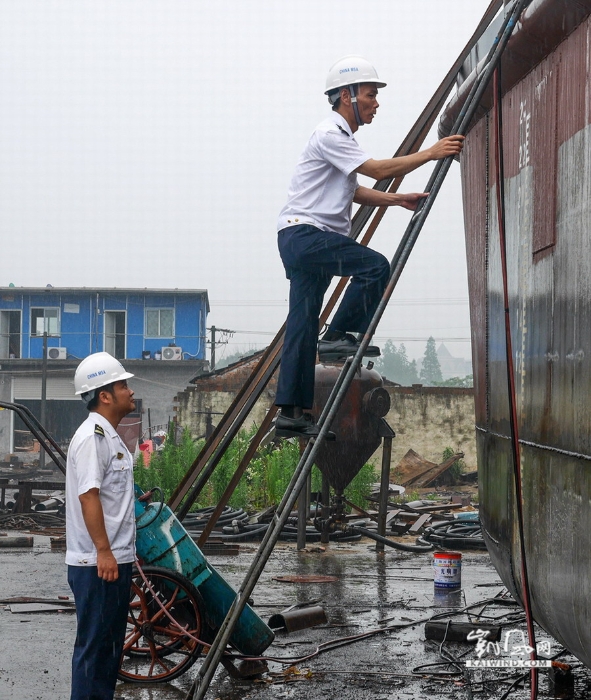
[
  {"x": 357, "y": 424},
  {"x": 545, "y": 141}
]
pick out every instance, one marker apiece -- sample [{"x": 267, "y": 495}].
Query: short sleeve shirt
[
  {"x": 98, "y": 458},
  {"x": 323, "y": 186}
]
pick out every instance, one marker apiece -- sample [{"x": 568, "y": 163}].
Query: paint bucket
[{"x": 447, "y": 568}]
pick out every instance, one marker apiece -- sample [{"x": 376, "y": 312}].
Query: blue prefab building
[
  {"x": 158, "y": 334},
  {"x": 128, "y": 323}
]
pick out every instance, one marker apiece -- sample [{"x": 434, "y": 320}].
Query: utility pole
[
  {"x": 213, "y": 342},
  {"x": 43, "y": 395}
]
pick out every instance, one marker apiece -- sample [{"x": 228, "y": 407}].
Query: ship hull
[{"x": 546, "y": 141}]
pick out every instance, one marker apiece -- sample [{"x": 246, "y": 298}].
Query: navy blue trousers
[
  {"x": 101, "y": 610},
  {"x": 311, "y": 258}
]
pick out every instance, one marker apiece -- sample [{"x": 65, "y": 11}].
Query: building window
[
  {"x": 159, "y": 323},
  {"x": 45, "y": 320},
  {"x": 10, "y": 334}
]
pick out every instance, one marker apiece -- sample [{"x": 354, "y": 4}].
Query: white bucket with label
[{"x": 447, "y": 569}]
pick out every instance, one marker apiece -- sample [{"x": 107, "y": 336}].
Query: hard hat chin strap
[{"x": 353, "y": 93}]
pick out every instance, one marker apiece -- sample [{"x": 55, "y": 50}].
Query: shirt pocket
[{"x": 120, "y": 471}]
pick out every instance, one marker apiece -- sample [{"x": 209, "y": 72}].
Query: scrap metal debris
[
  {"x": 308, "y": 578},
  {"x": 292, "y": 674},
  {"x": 298, "y": 618},
  {"x": 40, "y": 607},
  {"x": 34, "y": 520},
  {"x": 418, "y": 472},
  {"x": 6, "y": 542}
]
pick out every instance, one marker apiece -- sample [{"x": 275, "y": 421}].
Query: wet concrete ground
[{"x": 35, "y": 649}]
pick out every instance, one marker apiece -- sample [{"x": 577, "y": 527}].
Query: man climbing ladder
[{"x": 314, "y": 241}]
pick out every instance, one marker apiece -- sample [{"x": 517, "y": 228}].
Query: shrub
[
  {"x": 263, "y": 484},
  {"x": 457, "y": 469}
]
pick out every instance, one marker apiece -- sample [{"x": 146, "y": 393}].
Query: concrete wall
[
  {"x": 426, "y": 419},
  {"x": 157, "y": 384},
  {"x": 429, "y": 419}
]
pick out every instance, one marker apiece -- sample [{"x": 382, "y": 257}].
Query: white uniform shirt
[
  {"x": 324, "y": 183},
  {"x": 98, "y": 458}
]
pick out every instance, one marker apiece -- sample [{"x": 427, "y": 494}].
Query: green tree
[
  {"x": 234, "y": 357},
  {"x": 395, "y": 365},
  {"x": 431, "y": 370},
  {"x": 464, "y": 382}
]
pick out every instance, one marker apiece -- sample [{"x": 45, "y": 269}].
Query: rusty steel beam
[{"x": 233, "y": 419}]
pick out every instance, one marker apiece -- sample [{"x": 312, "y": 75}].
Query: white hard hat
[
  {"x": 95, "y": 371},
  {"x": 351, "y": 70}
]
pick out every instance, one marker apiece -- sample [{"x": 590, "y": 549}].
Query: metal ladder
[
  {"x": 202, "y": 468},
  {"x": 298, "y": 481}
]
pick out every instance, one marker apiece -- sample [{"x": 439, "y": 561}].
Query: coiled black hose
[
  {"x": 461, "y": 534},
  {"x": 233, "y": 526}
]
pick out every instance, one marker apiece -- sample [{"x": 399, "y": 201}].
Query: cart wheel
[{"x": 155, "y": 648}]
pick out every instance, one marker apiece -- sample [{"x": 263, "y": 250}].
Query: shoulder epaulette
[{"x": 98, "y": 430}]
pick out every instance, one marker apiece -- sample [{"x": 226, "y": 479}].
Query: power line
[
  {"x": 391, "y": 336},
  {"x": 430, "y": 301}
]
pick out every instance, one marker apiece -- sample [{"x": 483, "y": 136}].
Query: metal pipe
[
  {"x": 302, "y": 517},
  {"x": 43, "y": 394},
  {"x": 45, "y": 440}
]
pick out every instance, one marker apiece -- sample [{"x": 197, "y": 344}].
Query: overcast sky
[{"x": 150, "y": 143}]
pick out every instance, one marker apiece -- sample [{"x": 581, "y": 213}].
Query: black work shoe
[
  {"x": 333, "y": 350},
  {"x": 302, "y": 427}
]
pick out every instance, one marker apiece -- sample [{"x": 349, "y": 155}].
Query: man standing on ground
[
  {"x": 313, "y": 237},
  {"x": 100, "y": 526}
]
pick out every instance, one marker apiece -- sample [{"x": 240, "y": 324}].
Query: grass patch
[{"x": 263, "y": 484}]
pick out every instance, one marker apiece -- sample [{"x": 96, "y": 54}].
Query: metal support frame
[
  {"x": 388, "y": 434},
  {"x": 302, "y": 515},
  {"x": 46, "y": 441},
  {"x": 350, "y": 367}
]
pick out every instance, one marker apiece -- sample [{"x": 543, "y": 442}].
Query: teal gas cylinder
[{"x": 162, "y": 540}]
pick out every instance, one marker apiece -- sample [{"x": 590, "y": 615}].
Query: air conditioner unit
[
  {"x": 57, "y": 353},
  {"x": 172, "y": 353}
]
